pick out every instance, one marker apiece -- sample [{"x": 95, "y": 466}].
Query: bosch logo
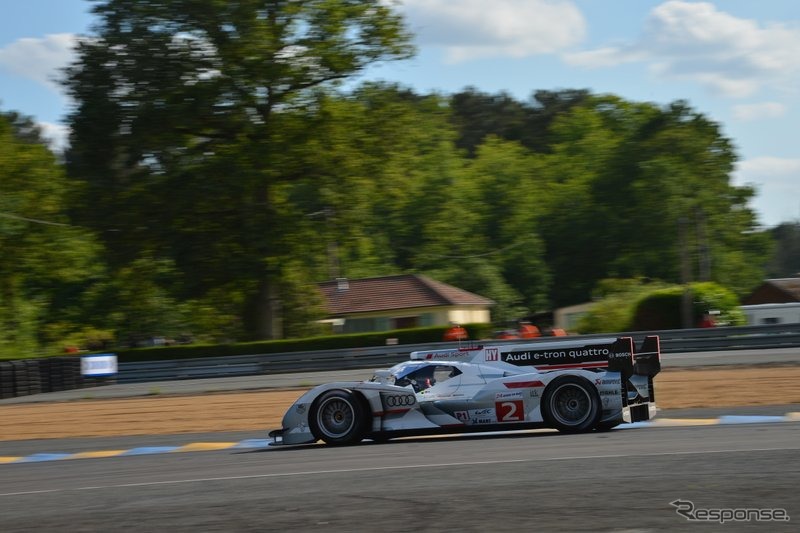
[{"x": 404, "y": 400}]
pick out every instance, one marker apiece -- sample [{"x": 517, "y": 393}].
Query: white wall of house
[
  {"x": 763, "y": 314},
  {"x": 567, "y": 318},
  {"x": 469, "y": 315},
  {"x": 415, "y": 317}
]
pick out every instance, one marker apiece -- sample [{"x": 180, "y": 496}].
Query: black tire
[
  {"x": 571, "y": 405},
  {"x": 338, "y": 417}
]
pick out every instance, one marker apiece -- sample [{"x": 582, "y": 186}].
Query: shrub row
[{"x": 330, "y": 342}]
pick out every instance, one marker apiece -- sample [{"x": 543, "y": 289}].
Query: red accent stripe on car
[
  {"x": 598, "y": 364},
  {"x": 523, "y": 384}
]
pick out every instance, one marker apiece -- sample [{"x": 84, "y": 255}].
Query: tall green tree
[
  {"x": 186, "y": 125},
  {"x": 43, "y": 259},
  {"x": 785, "y": 263},
  {"x": 638, "y": 173},
  {"x": 478, "y": 115}
]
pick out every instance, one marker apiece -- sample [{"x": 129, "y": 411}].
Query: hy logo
[{"x": 492, "y": 354}]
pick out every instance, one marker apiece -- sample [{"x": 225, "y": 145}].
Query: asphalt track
[{"x": 623, "y": 480}]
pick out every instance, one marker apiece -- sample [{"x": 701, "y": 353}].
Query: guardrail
[{"x": 672, "y": 341}]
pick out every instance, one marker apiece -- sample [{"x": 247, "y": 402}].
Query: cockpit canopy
[{"x": 420, "y": 375}]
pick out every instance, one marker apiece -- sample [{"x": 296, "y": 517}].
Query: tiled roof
[
  {"x": 790, "y": 286},
  {"x": 781, "y": 290},
  {"x": 394, "y": 292}
]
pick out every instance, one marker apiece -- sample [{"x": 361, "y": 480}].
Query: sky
[{"x": 735, "y": 61}]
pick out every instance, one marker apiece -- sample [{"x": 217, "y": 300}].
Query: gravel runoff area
[{"x": 263, "y": 410}]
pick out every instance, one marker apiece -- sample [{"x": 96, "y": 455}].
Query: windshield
[{"x": 423, "y": 375}]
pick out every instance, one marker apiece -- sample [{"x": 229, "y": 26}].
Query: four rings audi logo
[{"x": 399, "y": 400}]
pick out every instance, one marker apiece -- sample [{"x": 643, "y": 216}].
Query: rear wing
[
  {"x": 644, "y": 362},
  {"x": 616, "y": 354}
]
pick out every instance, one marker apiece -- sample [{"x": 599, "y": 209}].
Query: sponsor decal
[
  {"x": 574, "y": 355},
  {"x": 534, "y": 393},
  {"x": 99, "y": 365},
  {"x": 510, "y": 411},
  {"x": 399, "y": 400},
  {"x": 481, "y": 412},
  {"x": 508, "y": 395},
  {"x": 461, "y": 415},
  {"x": 606, "y": 381},
  {"x": 483, "y": 421},
  {"x": 609, "y": 392},
  {"x": 492, "y": 354},
  {"x": 453, "y": 354}
]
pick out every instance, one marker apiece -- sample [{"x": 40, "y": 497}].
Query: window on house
[{"x": 405, "y": 322}]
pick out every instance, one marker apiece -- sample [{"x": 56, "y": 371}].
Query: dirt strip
[{"x": 260, "y": 411}]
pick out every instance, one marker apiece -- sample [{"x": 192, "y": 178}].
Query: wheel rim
[
  {"x": 335, "y": 417},
  {"x": 571, "y": 405}
]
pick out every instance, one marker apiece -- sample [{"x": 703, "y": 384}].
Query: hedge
[{"x": 330, "y": 342}]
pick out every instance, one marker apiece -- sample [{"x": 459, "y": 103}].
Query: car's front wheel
[
  {"x": 571, "y": 404},
  {"x": 338, "y": 417}
]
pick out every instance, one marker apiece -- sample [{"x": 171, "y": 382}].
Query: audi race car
[{"x": 572, "y": 386}]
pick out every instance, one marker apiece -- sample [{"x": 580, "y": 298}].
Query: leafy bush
[
  {"x": 616, "y": 304},
  {"x": 662, "y": 308},
  {"x": 331, "y": 342},
  {"x": 635, "y": 305}
]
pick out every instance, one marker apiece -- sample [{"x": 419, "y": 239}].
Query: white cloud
[
  {"x": 39, "y": 59},
  {"x": 57, "y": 134},
  {"x": 473, "y": 29},
  {"x": 747, "y": 112},
  {"x": 777, "y": 182},
  {"x": 771, "y": 167},
  {"x": 695, "y": 41}
]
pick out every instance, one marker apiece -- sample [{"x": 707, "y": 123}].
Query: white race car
[{"x": 569, "y": 385}]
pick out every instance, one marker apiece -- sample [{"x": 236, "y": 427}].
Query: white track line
[{"x": 397, "y": 467}]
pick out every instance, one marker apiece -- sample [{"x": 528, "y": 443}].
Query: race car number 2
[{"x": 510, "y": 411}]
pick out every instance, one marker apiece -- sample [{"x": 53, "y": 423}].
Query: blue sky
[{"x": 736, "y": 61}]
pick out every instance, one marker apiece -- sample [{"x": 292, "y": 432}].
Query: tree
[
  {"x": 630, "y": 174},
  {"x": 186, "y": 117},
  {"x": 41, "y": 255},
  {"x": 478, "y": 115},
  {"x": 786, "y": 260}
]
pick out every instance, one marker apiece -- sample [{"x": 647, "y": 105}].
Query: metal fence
[{"x": 672, "y": 341}]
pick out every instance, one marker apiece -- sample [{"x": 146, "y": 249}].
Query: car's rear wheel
[
  {"x": 571, "y": 404},
  {"x": 338, "y": 417}
]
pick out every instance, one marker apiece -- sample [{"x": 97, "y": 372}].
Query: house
[
  {"x": 776, "y": 301},
  {"x": 775, "y": 291},
  {"x": 398, "y": 302},
  {"x": 567, "y": 318}
]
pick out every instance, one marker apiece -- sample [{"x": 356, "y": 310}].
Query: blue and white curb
[
  {"x": 720, "y": 421},
  {"x": 145, "y": 450}
]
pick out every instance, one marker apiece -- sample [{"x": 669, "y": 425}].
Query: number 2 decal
[{"x": 510, "y": 411}]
